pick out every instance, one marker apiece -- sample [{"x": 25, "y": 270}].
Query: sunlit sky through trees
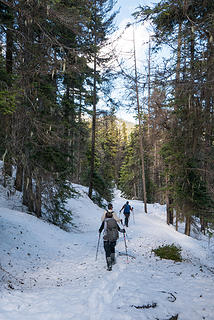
[{"x": 124, "y": 46}]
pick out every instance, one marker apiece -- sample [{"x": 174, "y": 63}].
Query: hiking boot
[
  {"x": 113, "y": 259},
  {"x": 109, "y": 264}
]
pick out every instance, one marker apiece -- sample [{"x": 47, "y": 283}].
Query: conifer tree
[
  {"x": 130, "y": 183},
  {"x": 48, "y": 48},
  {"x": 187, "y": 26},
  {"x": 100, "y": 26}
]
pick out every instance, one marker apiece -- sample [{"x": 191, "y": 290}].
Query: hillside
[
  {"x": 129, "y": 125},
  {"x": 49, "y": 274}
]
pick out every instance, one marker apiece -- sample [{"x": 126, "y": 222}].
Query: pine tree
[
  {"x": 100, "y": 25},
  {"x": 49, "y": 47},
  {"x": 130, "y": 183},
  {"x": 188, "y": 189}
]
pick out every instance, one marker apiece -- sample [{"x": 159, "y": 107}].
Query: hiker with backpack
[
  {"x": 126, "y": 211},
  {"x": 110, "y": 212},
  {"x": 110, "y": 236}
]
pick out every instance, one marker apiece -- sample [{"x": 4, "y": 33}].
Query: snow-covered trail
[{"x": 62, "y": 281}]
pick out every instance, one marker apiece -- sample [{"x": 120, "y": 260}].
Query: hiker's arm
[
  {"x": 121, "y": 230},
  {"x": 101, "y": 227},
  {"x": 122, "y": 208},
  {"x": 103, "y": 216}
]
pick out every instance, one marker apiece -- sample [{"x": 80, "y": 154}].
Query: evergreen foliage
[
  {"x": 187, "y": 149},
  {"x": 53, "y": 79},
  {"x": 49, "y": 46},
  {"x": 130, "y": 170},
  {"x": 171, "y": 252}
]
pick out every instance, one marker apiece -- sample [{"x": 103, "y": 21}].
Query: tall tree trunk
[
  {"x": 202, "y": 224},
  {"x": 140, "y": 130},
  {"x": 176, "y": 221},
  {"x": 7, "y": 122},
  {"x": 135, "y": 191},
  {"x": 169, "y": 210},
  {"x": 187, "y": 225},
  {"x": 209, "y": 110},
  {"x": 38, "y": 198},
  {"x": 93, "y": 138},
  {"x": 19, "y": 177},
  {"x": 28, "y": 198},
  {"x": 169, "y": 199},
  {"x": 78, "y": 170},
  {"x": 149, "y": 86},
  {"x": 178, "y": 63},
  {"x": 169, "y": 207},
  {"x": 9, "y": 49}
]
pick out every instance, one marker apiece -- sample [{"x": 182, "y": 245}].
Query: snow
[{"x": 50, "y": 274}]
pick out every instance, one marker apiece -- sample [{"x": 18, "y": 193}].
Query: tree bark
[
  {"x": 149, "y": 86},
  {"x": 176, "y": 222},
  {"x": 93, "y": 138},
  {"x": 28, "y": 198},
  {"x": 169, "y": 202},
  {"x": 169, "y": 210},
  {"x": 38, "y": 200},
  {"x": 78, "y": 170},
  {"x": 187, "y": 225},
  {"x": 19, "y": 178},
  {"x": 7, "y": 122},
  {"x": 9, "y": 50},
  {"x": 140, "y": 130}
]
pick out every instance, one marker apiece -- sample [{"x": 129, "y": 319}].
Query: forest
[{"x": 58, "y": 122}]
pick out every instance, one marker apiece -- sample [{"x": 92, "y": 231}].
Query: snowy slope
[{"x": 49, "y": 274}]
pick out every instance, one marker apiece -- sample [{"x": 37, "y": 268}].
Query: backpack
[
  {"x": 110, "y": 230},
  {"x": 109, "y": 214},
  {"x": 127, "y": 208}
]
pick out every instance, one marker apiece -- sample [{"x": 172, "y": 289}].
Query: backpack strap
[{"x": 109, "y": 214}]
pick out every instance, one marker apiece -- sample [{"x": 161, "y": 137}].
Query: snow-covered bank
[{"x": 52, "y": 274}]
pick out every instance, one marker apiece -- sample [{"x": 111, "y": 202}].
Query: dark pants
[
  {"x": 126, "y": 219},
  {"x": 109, "y": 247}
]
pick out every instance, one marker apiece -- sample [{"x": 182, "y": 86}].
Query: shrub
[{"x": 171, "y": 252}]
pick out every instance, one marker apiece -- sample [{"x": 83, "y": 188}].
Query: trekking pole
[
  {"x": 97, "y": 246},
  {"x": 126, "y": 231},
  {"x": 124, "y": 237},
  {"x": 133, "y": 215}
]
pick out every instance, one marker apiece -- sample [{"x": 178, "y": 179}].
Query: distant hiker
[
  {"x": 110, "y": 212},
  {"x": 110, "y": 236},
  {"x": 126, "y": 211}
]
